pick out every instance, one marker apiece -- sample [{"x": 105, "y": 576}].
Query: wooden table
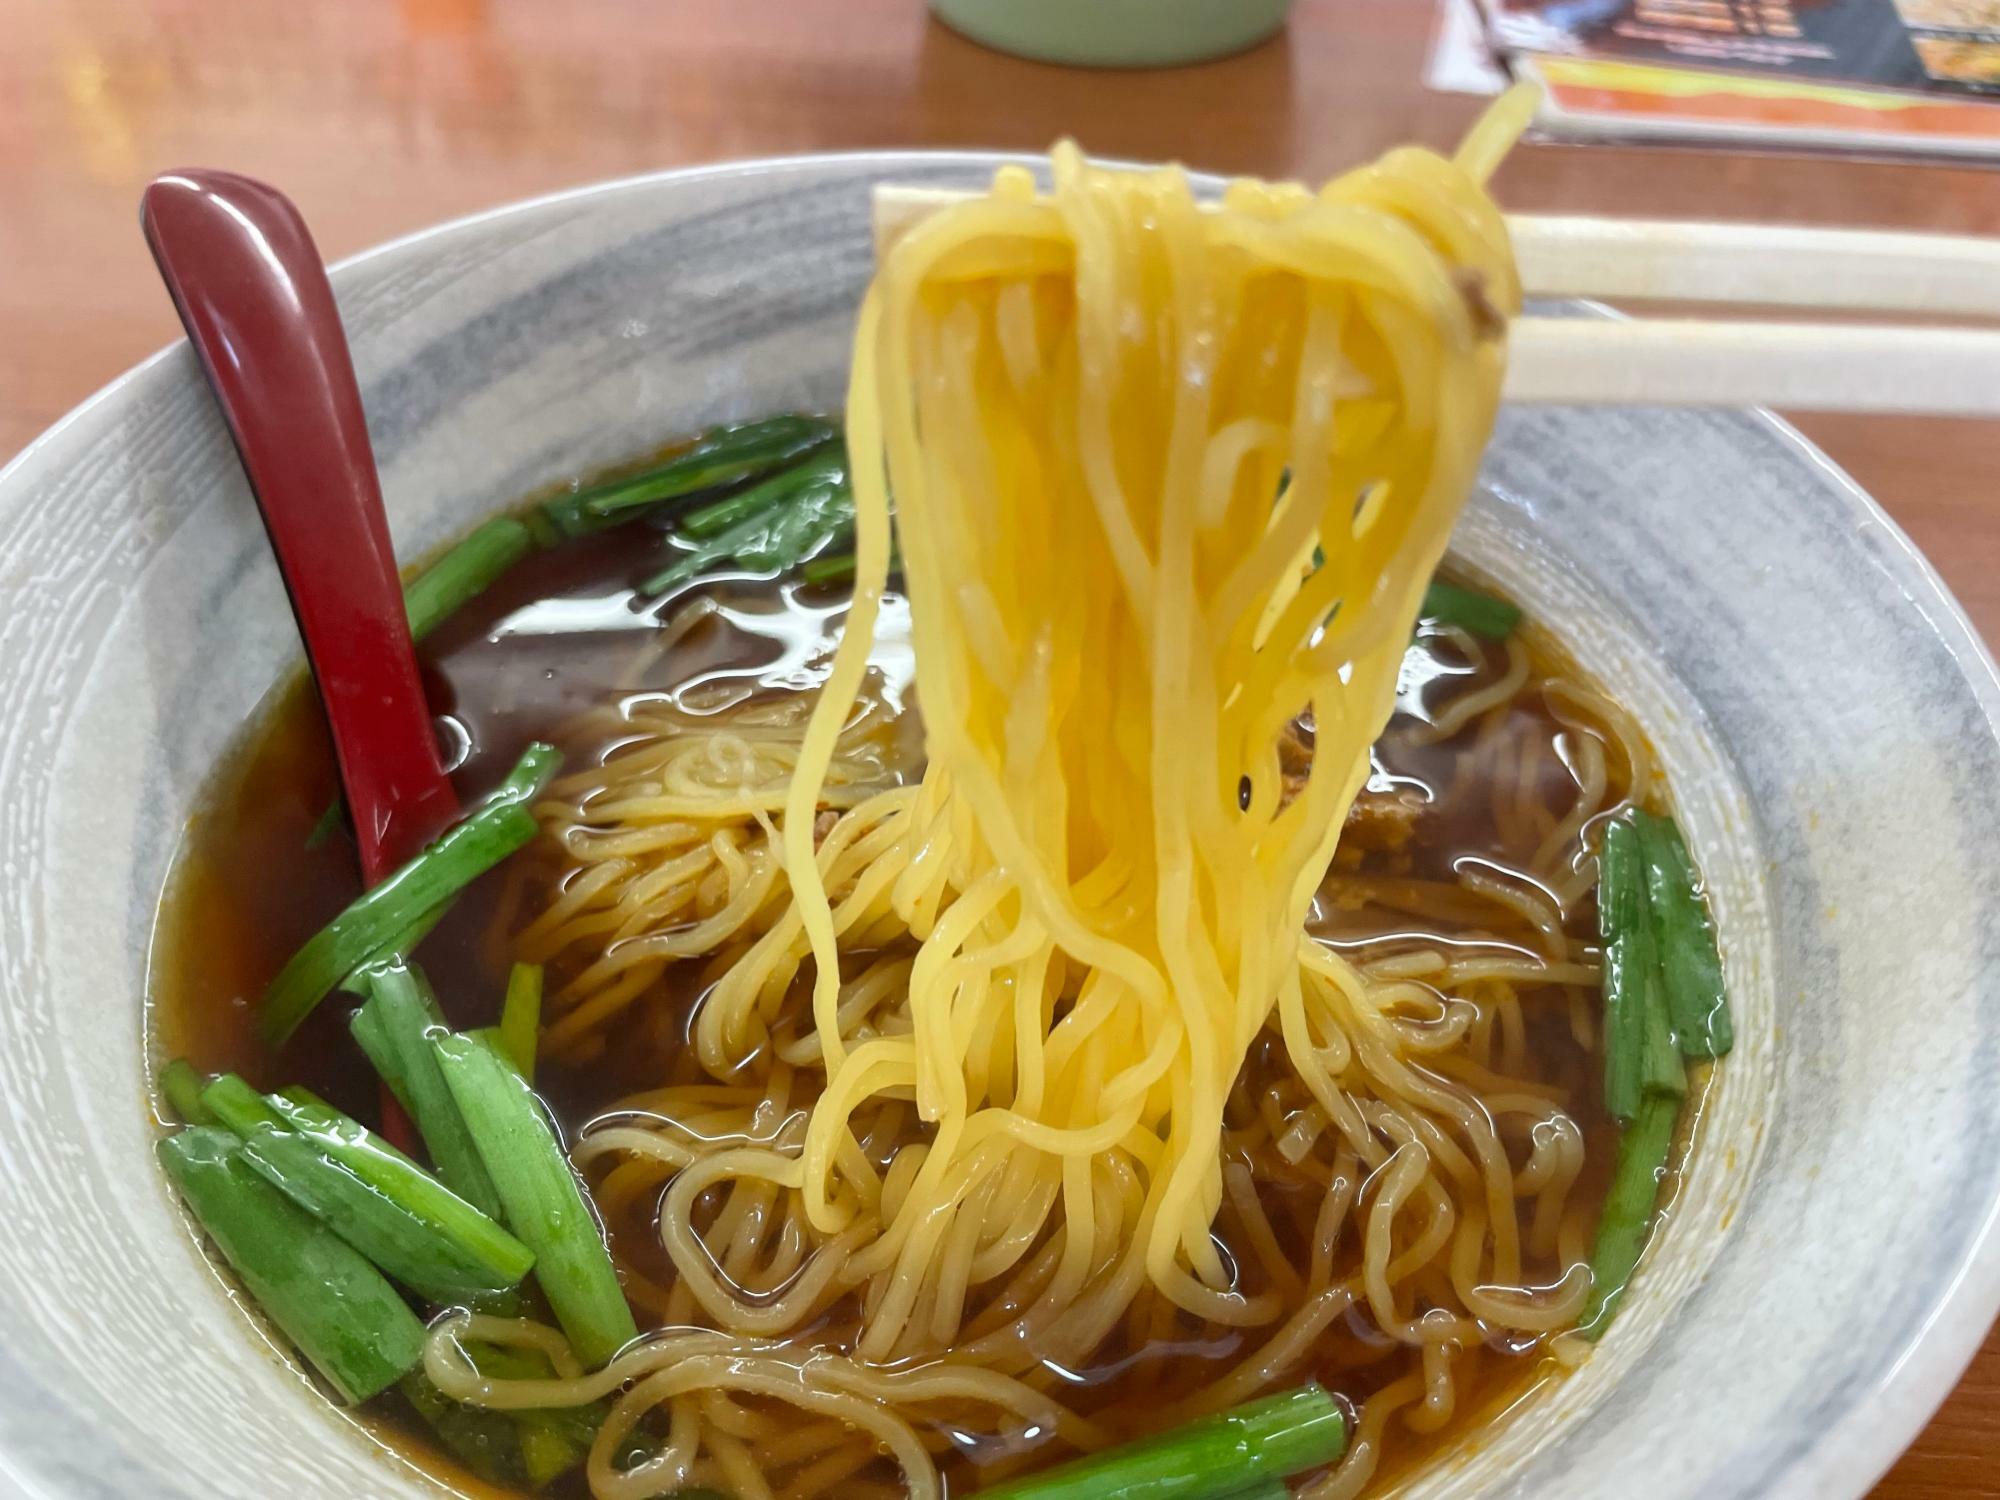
[{"x": 380, "y": 116}]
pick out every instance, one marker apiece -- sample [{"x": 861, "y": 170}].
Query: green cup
[{"x": 1115, "y": 33}]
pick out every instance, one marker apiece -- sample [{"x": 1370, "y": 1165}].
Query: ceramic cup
[{"x": 1115, "y": 33}]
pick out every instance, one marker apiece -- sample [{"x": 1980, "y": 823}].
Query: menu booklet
[{"x": 1892, "y": 75}]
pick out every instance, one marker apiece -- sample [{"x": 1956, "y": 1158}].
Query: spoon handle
[{"x": 253, "y": 295}]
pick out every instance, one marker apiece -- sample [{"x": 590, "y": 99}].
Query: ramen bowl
[{"x": 1828, "y": 719}]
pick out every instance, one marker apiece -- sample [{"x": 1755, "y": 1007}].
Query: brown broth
[{"x": 561, "y": 633}]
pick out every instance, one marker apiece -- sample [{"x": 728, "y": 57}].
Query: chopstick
[
  {"x": 1797, "y": 365},
  {"x": 1855, "y": 367},
  {"x": 1863, "y": 270},
  {"x": 1951, "y": 372}
]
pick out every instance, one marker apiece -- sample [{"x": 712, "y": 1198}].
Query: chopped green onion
[
  {"x": 238, "y": 1106},
  {"x": 1621, "y": 920},
  {"x": 394, "y": 1027},
  {"x": 553, "y": 1440},
  {"x": 541, "y": 1194},
  {"x": 521, "y": 1017},
  {"x": 405, "y": 944},
  {"x": 822, "y": 570},
  {"x": 466, "y": 571},
  {"x": 382, "y": 920},
  {"x": 509, "y": 1362},
  {"x": 779, "y": 489},
  {"x": 321, "y": 833},
  {"x": 1627, "y": 1216},
  {"x": 533, "y": 1445},
  {"x": 410, "y": 1225},
  {"x": 721, "y": 455},
  {"x": 813, "y": 516},
  {"x": 1475, "y": 613},
  {"x": 1689, "y": 960},
  {"x": 492, "y": 1251},
  {"x": 1640, "y": 1055},
  {"x": 389, "y": 918},
  {"x": 839, "y": 567},
  {"x": 547, "y": 1451},
  {"x": 1209, "y": 1459},
  {"x": 563, "y": 1429},
  {"x": 530, "y": 777},
  {"x": 348, "y": 1322},
  {"x": 821, "y": 517},
  {"x": 486, "y": 1442},
  {"x": 181, "y": 1086},
  {"x": 366, "y": 1026},
  {"x": 1661, "y": 1070}
]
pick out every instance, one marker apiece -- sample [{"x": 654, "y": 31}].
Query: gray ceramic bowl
[{"x": 1827, "y": 715}]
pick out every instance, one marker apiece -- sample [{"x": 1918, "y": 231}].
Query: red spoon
[{"x": 250, "y": 289}]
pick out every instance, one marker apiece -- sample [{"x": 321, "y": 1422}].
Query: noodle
[
  {"x": 950, "y": 1113},
  {"x": 1364, "y": 299}
]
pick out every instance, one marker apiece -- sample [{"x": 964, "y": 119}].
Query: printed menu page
[{"x": 1921, "y": 75}]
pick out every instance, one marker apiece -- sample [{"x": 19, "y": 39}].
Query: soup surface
[{"x": 1470, "y": 843}]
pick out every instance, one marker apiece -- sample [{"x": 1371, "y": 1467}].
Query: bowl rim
[{"x": 1848, "y": 1456}]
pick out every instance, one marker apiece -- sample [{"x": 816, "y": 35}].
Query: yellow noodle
[{"x": 971, "y": 1038}]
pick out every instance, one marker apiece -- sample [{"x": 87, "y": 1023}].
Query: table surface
[{"x": 381, "y": 116}]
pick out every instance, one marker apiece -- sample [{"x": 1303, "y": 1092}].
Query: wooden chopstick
[
  {"x": 1804, "y": 366},
  {"x": 1852, "y": 367},
  {"x": 1770, "y": 265},
  {"x": 1800, "y": 366}
]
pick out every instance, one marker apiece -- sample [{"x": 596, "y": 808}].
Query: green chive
[
  {"x": 839, "y": 567},
  {"x": 321, "y": 833},
  {"x": 394, "y": 1027},
  {"x": 1475, "y": 613},
  {"x": 1635, "y": 993},
  {"x": 541, "y": 1194},
  {"x": 574, "y": 1426},
  {"x": 384, "y": 919},
  {"x": 1627, "y": 1216},
  {"x": 1621, "y": 921},
  {"x": 532, "y": 1446},
  {"x": 823, "y": 570},
  {"x": 1689, "y": 960},
  {"x": 721, "y": 455},
  {"x": 1209, "y": 1459},
  {"x": 466, "y": 571},
  {"x": 181, "y": 1086},
  {"x": 486, "y": 1442},
  {"x": 374, "y": 1197},
  {"x": 813, "y": 517},
  {"x": 336, "y": 1308},
  {"x": 547, "y": 1452},
  {"x": 781, "y": 488},
  {"x": 1661, "y": 1070},
  {"x": 521, "y": 1017}
]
